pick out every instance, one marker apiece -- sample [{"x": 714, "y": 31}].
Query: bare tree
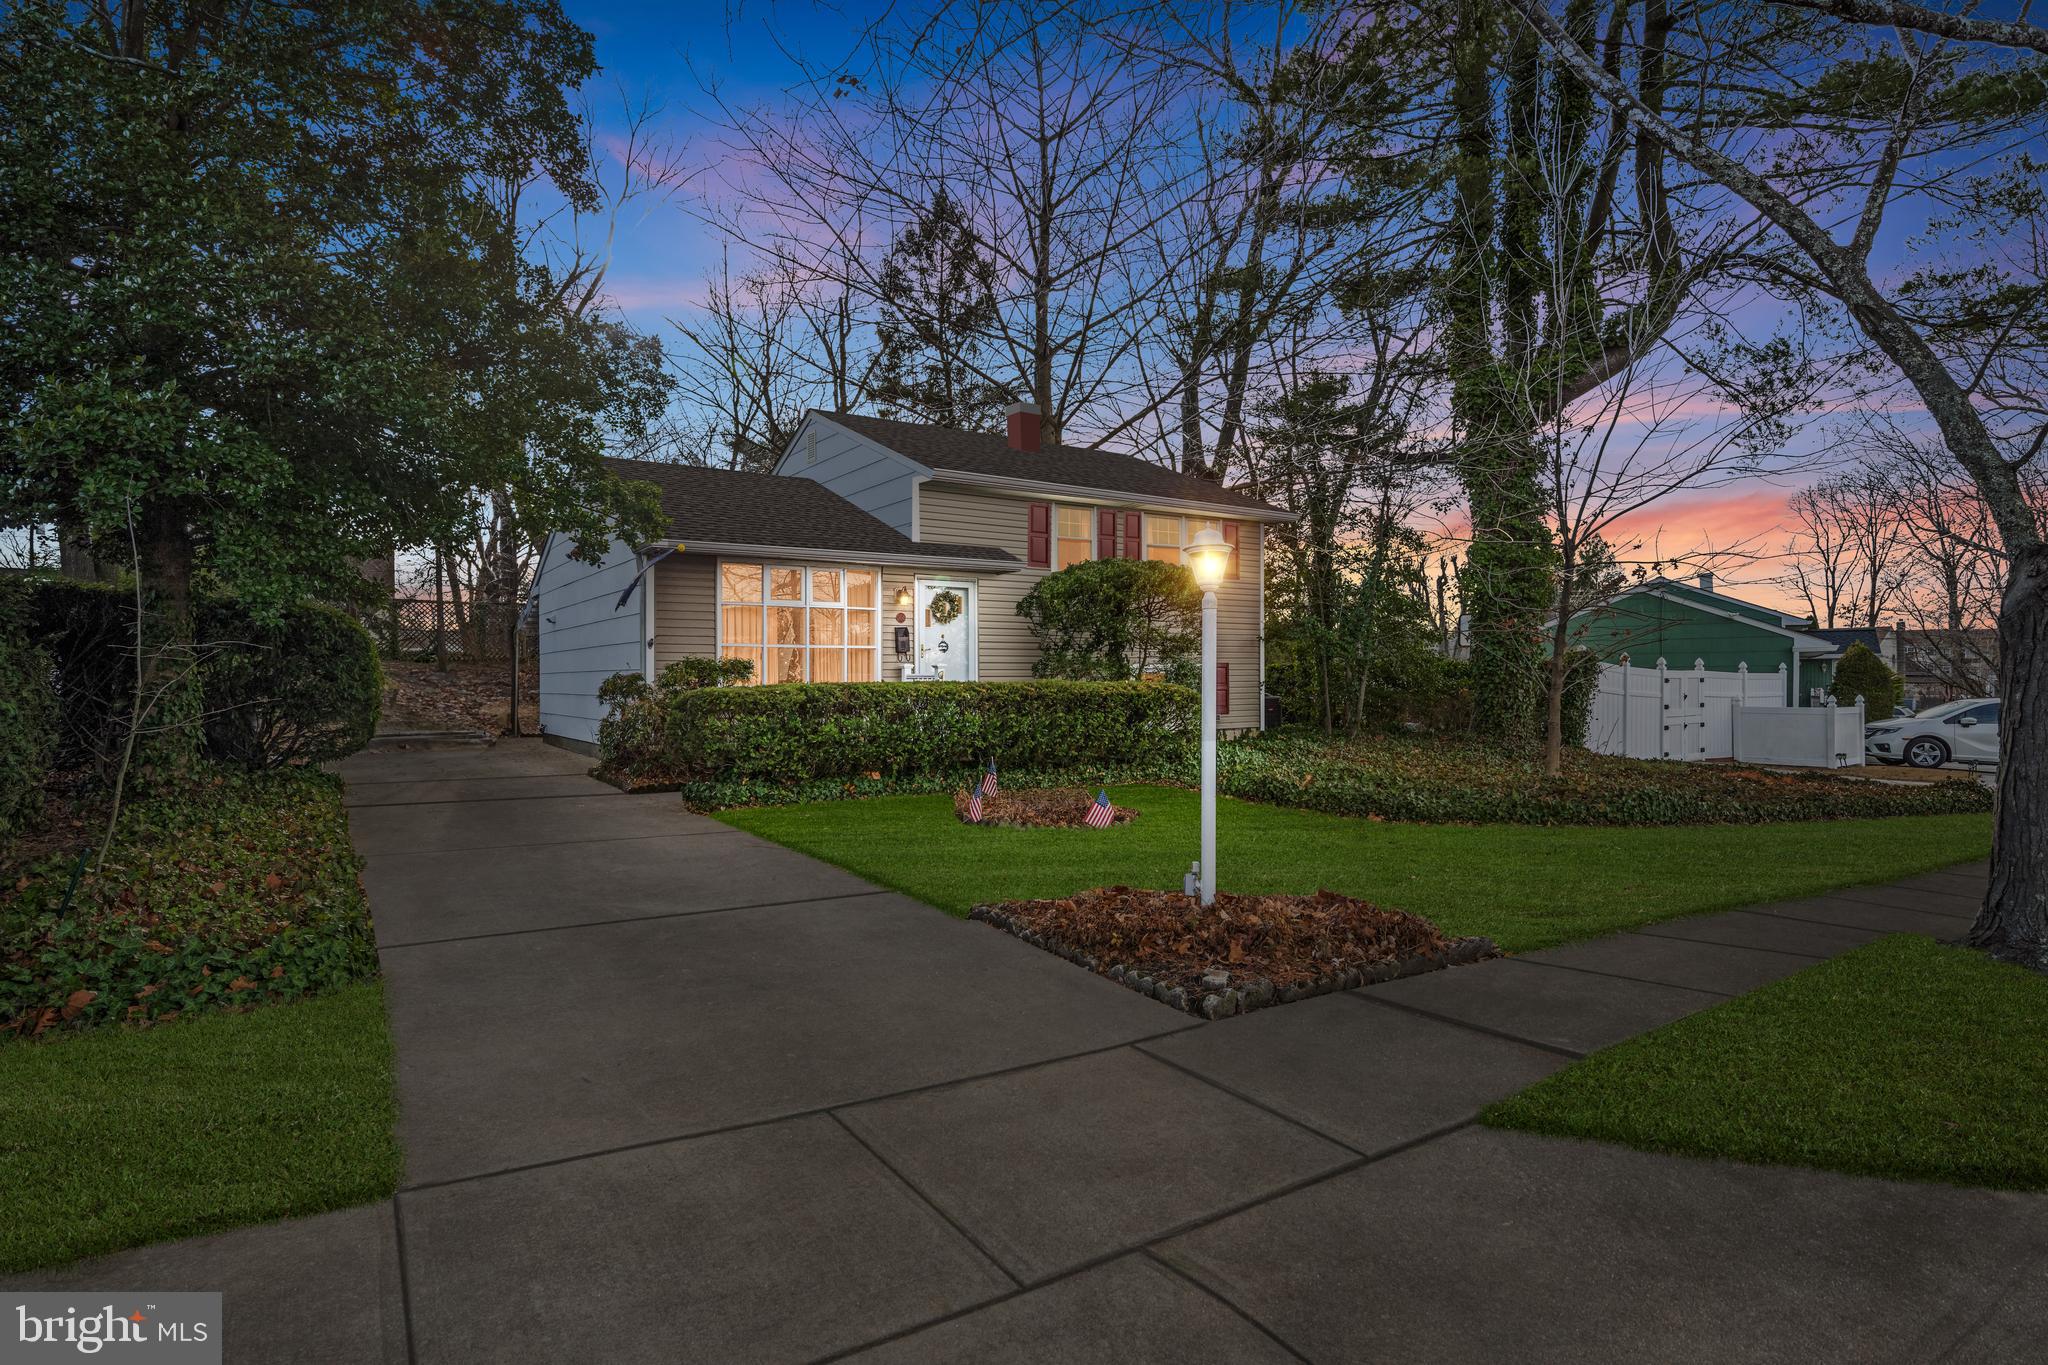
[
  {"x": 1659, "y": 428},
  {"x": 1064, "y": 153},
  {"x": 1817, "y": 557},
  {"x": 1931, "y": 139},
  {"x": 1849, "y": 557}
]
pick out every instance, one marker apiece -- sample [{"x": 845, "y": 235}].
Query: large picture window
[{"x": 800, "y": 622}]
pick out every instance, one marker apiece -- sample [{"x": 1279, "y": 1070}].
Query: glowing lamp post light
[{"x": 1208, "y": 554}]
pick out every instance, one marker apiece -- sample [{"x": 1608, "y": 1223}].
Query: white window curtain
[{"x": 801, "y": 622}]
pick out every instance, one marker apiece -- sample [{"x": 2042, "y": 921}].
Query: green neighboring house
[{"x": 1681, "y": 622}]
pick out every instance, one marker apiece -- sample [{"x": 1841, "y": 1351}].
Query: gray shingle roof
[
  {"x": 975, "y": 452},
  {"x": 1843, "y": 638},
  {"x": 726, "y": 507}
]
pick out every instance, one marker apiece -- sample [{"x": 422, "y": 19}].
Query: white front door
[{"x": 945, "y": 648}]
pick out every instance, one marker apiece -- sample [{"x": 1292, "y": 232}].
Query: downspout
[
  {"x": 1262, "y": 623},
  {"x": 647, "y": 618}
]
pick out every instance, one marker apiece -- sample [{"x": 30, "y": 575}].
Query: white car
[{"x": 1955, "y": 732}]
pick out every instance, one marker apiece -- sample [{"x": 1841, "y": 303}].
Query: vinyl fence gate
[{"x": 1682, "y": 714}]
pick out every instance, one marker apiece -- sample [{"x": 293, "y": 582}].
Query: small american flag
[
  {"x": 1099, "y": 814},
  {"x": 988, "y": 780},
  {"x": 974, "y": 807}
]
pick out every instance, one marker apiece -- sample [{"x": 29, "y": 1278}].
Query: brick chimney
[
  {"x": 1706, "y": 580},
  {"x": 1024, "y": 421}
]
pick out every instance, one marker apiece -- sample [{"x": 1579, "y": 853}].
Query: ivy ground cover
[
  {"x": 194, "y": 1036},
  {"x": 1524, "y": 886},
  {"x": 1418, "y": 777}
]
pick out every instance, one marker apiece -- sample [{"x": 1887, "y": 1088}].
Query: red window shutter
[
  {"x": 1230, "y": 530},
  {"x": 1105, "y": 533},
  {"x": 1134, "y": 535},
  {"x": 1222, "y": 688},
  {"x": 1039, "y": 538}
]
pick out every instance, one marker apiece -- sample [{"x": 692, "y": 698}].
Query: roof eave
[
  {"x": 1257, "y": 512},
  {"x": 1007, "y": 564}
]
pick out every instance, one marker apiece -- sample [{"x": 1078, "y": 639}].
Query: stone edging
[{"x": 1227, "y": 1000}]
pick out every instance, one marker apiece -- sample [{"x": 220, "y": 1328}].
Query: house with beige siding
[{"x": 882, "y": 551}]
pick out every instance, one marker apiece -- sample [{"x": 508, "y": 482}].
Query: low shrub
[
  {"x": 629, "y": 737},
  {"x": 305, "y": 689},
  {"x": 796, "y": 733},
  {"x": 686, "y": 674},
  {"x": 87, "y": 630},
  {"x": 28, "y": 716},
  {"x": 1439, "y": 780},
  {"x": 1862, "y": 674},
  {"x": 238, "y": 890},
  {"x": 1106, "y": 620}
]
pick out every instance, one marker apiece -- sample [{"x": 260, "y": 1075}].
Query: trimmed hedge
[
  {"x": 1436, "y": 780},
  {"x": 87, "y": 631},
  {"x": 304, "y": 687},
  {"x": 795, "y": 733},
  {"x": 28, "y": 715}
]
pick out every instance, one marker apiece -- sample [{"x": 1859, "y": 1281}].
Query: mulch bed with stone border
[
  {"x": 1242, "y": 953},
  {"x": 1039, "y": 808}
]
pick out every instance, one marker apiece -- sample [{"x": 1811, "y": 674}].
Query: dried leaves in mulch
[
  {"x": 1041, "y": 808},
  {"x": 1251, "y": 949},
  {"x": 466, "y": 697}
]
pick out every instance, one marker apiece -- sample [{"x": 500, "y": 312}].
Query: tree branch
[{"x": 1920, "y": 19}]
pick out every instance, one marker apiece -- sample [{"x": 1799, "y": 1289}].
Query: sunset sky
[{"x": 676, "y": 54}]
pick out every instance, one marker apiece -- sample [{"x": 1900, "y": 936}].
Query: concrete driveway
[{"x": 672, "y": 1093}]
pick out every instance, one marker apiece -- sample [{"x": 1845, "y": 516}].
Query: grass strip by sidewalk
[
  {"x": 1526, "y": 886},
  {"x": 1906, "y": 1059},
  {"x": 120, "y": 1137}
]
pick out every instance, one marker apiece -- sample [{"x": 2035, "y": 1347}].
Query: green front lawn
[
  {"x": 1525, "y": 886},
  {"x": 194, "y": 1038},
  {"x": 1905, "y": 1059},
  {"x": 118, "y": 1137}
]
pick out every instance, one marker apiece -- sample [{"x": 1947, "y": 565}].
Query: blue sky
[{"x": 669, "y": 53}]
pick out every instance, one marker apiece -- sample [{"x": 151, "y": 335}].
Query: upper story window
[
  {"x": 1076, "y": 539},
  {"x": 1162, "y": 538},
  {"x": 1166, "y": 537},
  {"x": 800, "y": 623}
]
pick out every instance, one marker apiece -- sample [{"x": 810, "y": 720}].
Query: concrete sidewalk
[{"x": 670, "y": 1092}]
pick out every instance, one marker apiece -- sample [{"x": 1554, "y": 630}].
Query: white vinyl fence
[
  {"x": 1827, "y": 736},
  {"x": 1699, "y": 713},
  {"x": 1685, "y": 714}
]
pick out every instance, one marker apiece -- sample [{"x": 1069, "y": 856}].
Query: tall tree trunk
[
  {"x": 1506, "y": 585},
  {"x": 2013, "y": 924},
  {"x": 1559, "y": 671},
  {"x": 166, "y": 748}
]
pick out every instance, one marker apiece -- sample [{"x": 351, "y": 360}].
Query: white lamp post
[{"x": 1208, "y": 554}]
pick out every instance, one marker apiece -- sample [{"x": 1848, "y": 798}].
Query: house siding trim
[
  {"x": 957, "y": 563},
  {"x": 880, "y": 481},
  {"x": 585, "y": 636},
  {"x": 1076, "y": 493}
]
